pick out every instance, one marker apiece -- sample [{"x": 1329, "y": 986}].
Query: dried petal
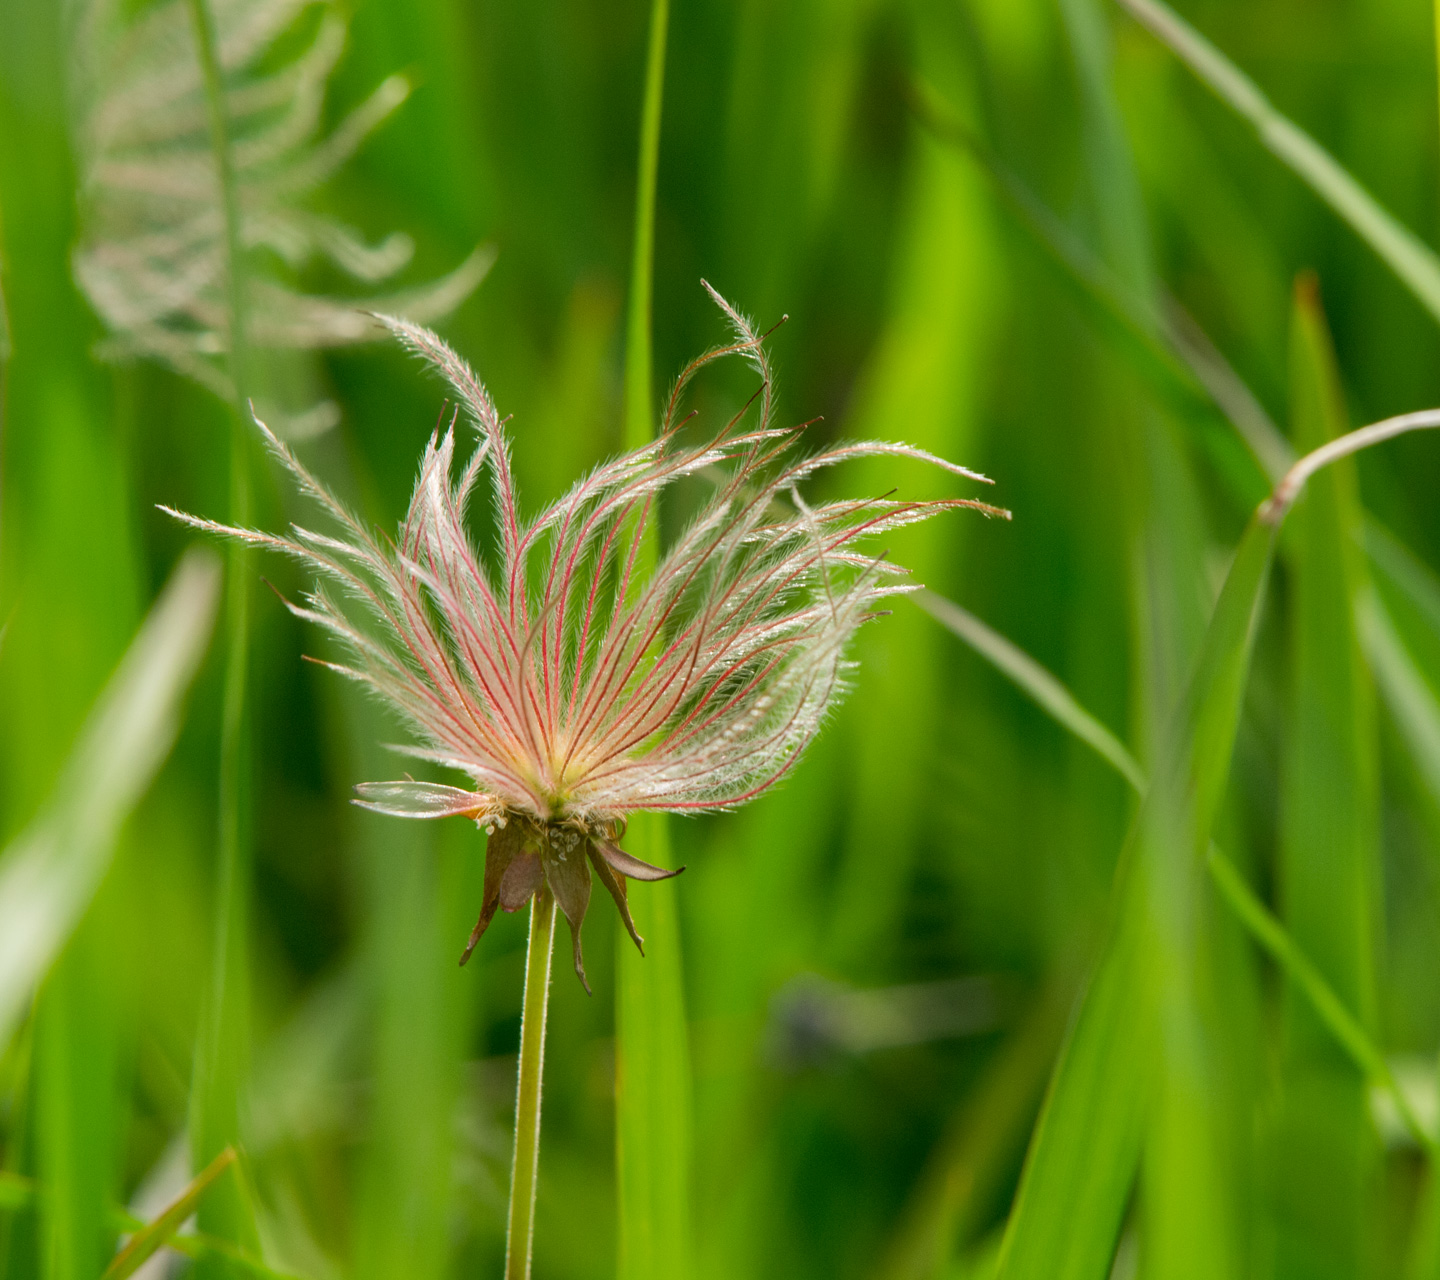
[{"x": 569, "y": 879}]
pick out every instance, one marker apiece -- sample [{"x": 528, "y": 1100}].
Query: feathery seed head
[{"x": 569, "y": 682}]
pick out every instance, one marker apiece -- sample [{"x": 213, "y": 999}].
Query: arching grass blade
[{"x": 1404, "y": 252}]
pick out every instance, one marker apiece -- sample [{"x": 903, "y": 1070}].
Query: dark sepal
[
  {"x": 616, "y": 885},
  {"x": 628, "y": 865},
  {"x": 521, "y": 881},
  {"x": 500, "y": 851},
  {"x": 569, "y": 878}
]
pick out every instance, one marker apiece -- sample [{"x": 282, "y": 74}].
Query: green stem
[
  {"x": 220, "y": 1060},
  {"x": 638, "y": 353},
  {"x": 521, "y": 1230}
]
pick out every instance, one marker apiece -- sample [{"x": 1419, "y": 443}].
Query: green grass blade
[
  {"x": 923, "y": 382},
  {"x": 1048, "y": 692},
  {"x": 1162, "y": 343},
  {"x": 1329, "y": 840},
  {"x": 1405, "y": 253},
  {"x": 1408, "y": 695},
  {"x": 1082, "y": 1159},
  {"x": 1053, "y": 697},
  {"x": 1188, "y": 1209},
  {"x": 1083, "y": 1156},
  {"x": 221, "y": 1057},
  {"x": 49, "y": 872},
  {"x": 639, "y": 321},
  {"x": 652, "y": 1058},
  {"x": 156, "y": 1234},
  {"x": 1413, "y": 580},
  {"x": 652, "y": 1077},
  {"x": 1346, "y": 1029}
]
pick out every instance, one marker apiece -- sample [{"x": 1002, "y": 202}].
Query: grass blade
[
  {"x": 923, "y": 381},
  {"x": 1052, "y": 696},
  {"x": 1082, "y": 1159},
  {"x": 1161, "y": 342},
  {"x": 652, "y": 1077},
  {"x": 652, "y": 1055},
  {"x": 154, "y": 1235},
  {"x": 221, "y": 1055},
  {"x": 1349, "y": 1034},
  {"x": 50, "y": 871},
  {"x": 1329, "y": 841},
  {"x": 639, "y": 346},
  {"x": 1408, "y": 695},
  {"x": 1405, "y": 253}
]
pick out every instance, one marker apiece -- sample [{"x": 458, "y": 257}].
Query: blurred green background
[{"x": 880, "y": 957}]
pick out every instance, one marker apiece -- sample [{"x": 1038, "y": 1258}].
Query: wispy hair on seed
[{"x": 560, "y": 681}]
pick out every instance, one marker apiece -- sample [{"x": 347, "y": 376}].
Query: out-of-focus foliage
[{"x": 1019, "y": 233}]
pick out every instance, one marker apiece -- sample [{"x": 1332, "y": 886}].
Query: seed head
[{"x": 571, "y": 683}]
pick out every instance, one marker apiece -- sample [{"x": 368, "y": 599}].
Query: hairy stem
[
  {"x": 220, "y": 1060},
  {"x": 520, "y": 1233}
]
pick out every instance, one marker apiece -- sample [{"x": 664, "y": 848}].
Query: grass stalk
[
  {"x": 639, "y": 352},
  {"x": 520, "y": 1230},
  {"x": 652, "y": 1075},
  {"x": 1402, "y": 250},
  {"x": 219, "y": 1060}
]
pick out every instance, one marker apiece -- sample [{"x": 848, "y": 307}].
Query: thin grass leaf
[
  {"x": 1189, "y": 1215},
  {"x": 1408, "y": 695},
  {"x": 653, "y": 1121},
  {"x": 1405, "y": 253},
  {"x": 1346, "y": 1029},
  {"x": 926, "y": 372},
  {"x": 153, "y": 1236},
  {"x": 223, "y": 1041},
  {"x": 1067, "y": 1211},
  {"x": 1082, "y": 1159},
  {"x": 1160, "y": 339},
  {"x": 1414, "y": 581},
  {"x": 1051, "y": 695},
  {"x": 1322, "y": 1139},
  {"x": 19, "y": 1193},
  {"x": 50, "y": 871}
]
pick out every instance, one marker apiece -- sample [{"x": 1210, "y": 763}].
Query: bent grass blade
[
  {"x": 1066, "y": 710},
  {"x": 1072, "y": 1194}
]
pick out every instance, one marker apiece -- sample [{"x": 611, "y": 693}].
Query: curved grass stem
[{"x": 520, "y": 1231}]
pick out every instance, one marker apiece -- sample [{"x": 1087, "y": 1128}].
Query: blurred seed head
[
  {"x": 152, "y": 257},
  {"x": 572, "y": 683}
]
